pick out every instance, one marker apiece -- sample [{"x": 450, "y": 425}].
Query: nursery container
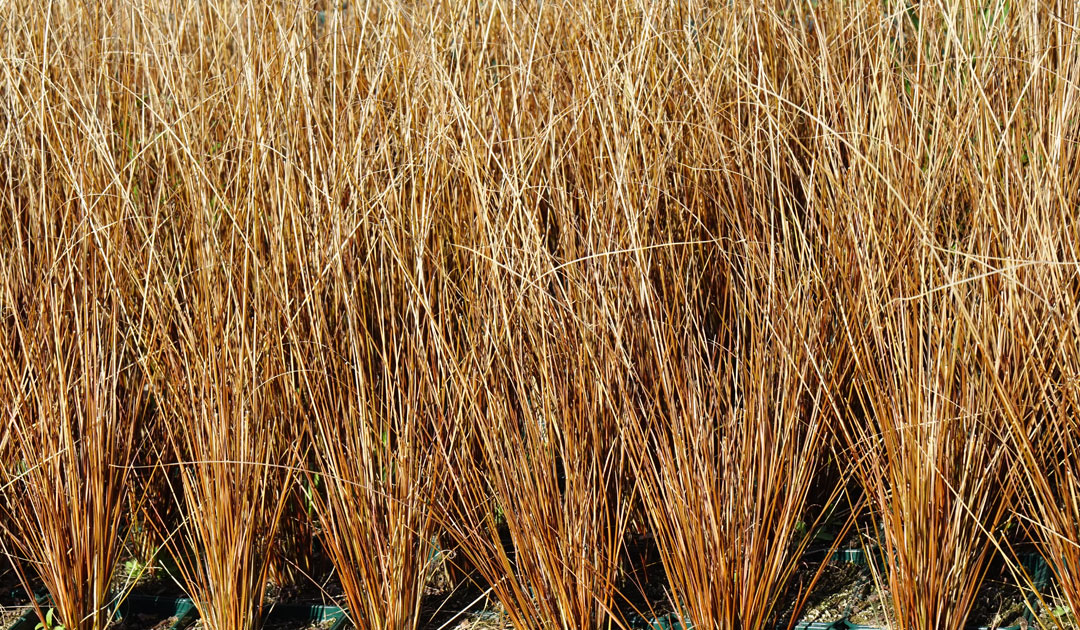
[
  {"x": 180, "y": 609},
  {"x": 164, "y": 607},
  {"x": 671, "y": 622},
  {"x": 29, "y": 619},
  {"x": 327, "y": 617}
]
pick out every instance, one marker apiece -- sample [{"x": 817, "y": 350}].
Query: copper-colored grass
[
  {"x": 490, "y": 270},
  {"x": 537, "y": 502},
  {"x": 942, "y": 220},
  {"x": 371, "y": 418},
  {"x": 230, "y": 426},
  {"x": 728, "y": 446},
  {"x": 74, "y": 403}
]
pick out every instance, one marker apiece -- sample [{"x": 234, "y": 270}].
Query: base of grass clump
[{"x": 999, "y": 604}]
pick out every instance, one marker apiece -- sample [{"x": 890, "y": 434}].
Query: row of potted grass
[
  {"x": 579, "y": 273},
  {"x": 182, "y": 613}
]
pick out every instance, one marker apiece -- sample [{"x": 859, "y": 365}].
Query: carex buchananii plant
[{"x": 75, "y": 399}]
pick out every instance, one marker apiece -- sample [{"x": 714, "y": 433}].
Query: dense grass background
[{"x": 478, "y": 270}]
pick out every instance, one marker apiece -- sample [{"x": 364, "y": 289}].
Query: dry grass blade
[{"x": 1047, "y": 436}]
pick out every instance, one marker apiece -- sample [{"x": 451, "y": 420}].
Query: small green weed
[{"x": 50, "y": 622}]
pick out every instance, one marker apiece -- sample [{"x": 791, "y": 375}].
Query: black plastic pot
[
  {"x": 180, "y": 608},
  {"x": 671, "y": 622},
  {"x": 331, "y": 617},
  {"x": 854, "y": 626},
  {"x": 164, "y": 607},
  {"x": 29, "y": 619},
  {"x": 185, "y": 613}
]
